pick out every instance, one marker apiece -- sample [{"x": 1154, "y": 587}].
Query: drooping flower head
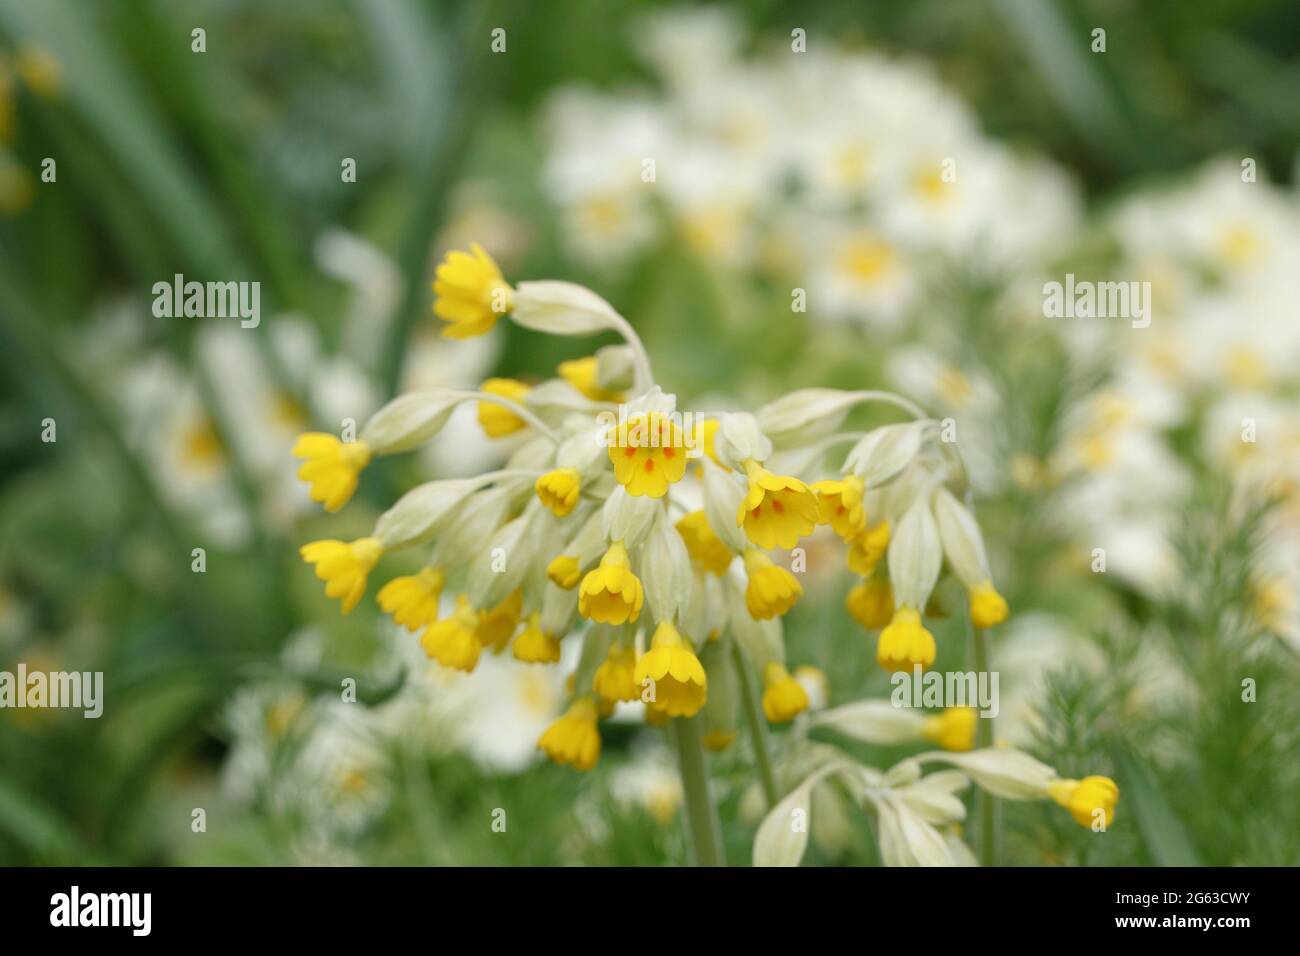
[
  {"x": 611, "y": 593},
  {"x": 471, "y": 293},
  {"x": 331, "y": 466},
  {"x": 777, "y": 510},
  {"x": 648, "y": 455},
  {"x": 344, "y": 566},
  {"x": 573, "y": 740},
  {"x": 678, "y": 680}
]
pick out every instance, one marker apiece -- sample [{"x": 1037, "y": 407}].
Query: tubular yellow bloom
[
  {"x": 709, "y": 431},
  {"x": 871, "y": 603},
  {"x": 344, "y": 566},
  {"x": 680, "y": 684},
  {"x": 954, "y": 729},
  {"x": 703, "y": 544},
  {"x": 535, "y": 646},
  {"x": 611, "y": 593},
  {"x": 331, "y": 466},
  {"x": 581, "y": 374},
  {"x": 496, "y": 626},
  {"x": 987, "y": 606},
  {"x": 471, "y": 293},
  {"x": 783, "y": 696},
  {"x": 615, "y": 678},
  {"x": 497, "y": 421},
  {"x": 1084, "y": 797},
  {"x": 573, "y": 739},
  {"x": 413, "y": 599},
  {"x": 776, "y": 511},
  {"x": 559, "y": 489},
  {"x": 564, "y": 572},
  {"x": 905, "y": 642},
  {"x": 452, "y": 642},
  {"x": 649, "y": 456},
  {"x": 38, "y": 68},
  {"x": 771, "y": 590},
  {"x": 718, "y": 740},
  {"x": 867, "y": 548},
  {"x": 840, "y": 505}
]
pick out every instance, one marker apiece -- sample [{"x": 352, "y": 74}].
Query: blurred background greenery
[{"x": 225, "y": 164}]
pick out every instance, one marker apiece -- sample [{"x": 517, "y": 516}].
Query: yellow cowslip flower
[
  {"x": 452, "y": 642},
  {"x": 776, "y": 511},
  {"x": 709, "y": 439},
  {"x": 771, "y": 590},
  {"x": 535, "y": 646},
  {"x": 871, "y": 603},
  {"x": 332, "y": 467},
  {"x": 39, "y": 69},
  {"x": 471, "y": 293},
  {"x": 498, "y": 422},
  {"x": 1084, "y": 797},
  {"x": 564, "y": 572},
  {"x": 680, "y": 684},
  {"x": 648, "y": 454},
  {"x": 954, "y": 729},
  {"x": 496, "y": 626},
  {"x": 703, "y": 544},
  {"x": 987, "y": 606},
  {"x": 840, "y": 505},
  {"x": 344, "y": 566},
  {"x": 783, "y": 696},
  {"x": 905, "y": 642},
  {"x": 581, "y": 374},
  {"x": 615, "y": 678},
  {"x": 867, "y": 548},
  {"x": 559, "y": 489},
  {"x": 413, "y": 599},
  {"x": 719, "y": 739},
  {"x": 611, "y": 593},
  {"x": 573, "y": 739}
]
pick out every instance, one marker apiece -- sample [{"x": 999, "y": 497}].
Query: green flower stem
[
  {"x": 984, "y": 738},
  {"x": 757, "y": 728},
  {"x": 701, "y": 815}
]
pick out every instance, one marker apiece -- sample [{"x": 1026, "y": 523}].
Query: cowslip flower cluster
[{"x": 650, "y": 535}]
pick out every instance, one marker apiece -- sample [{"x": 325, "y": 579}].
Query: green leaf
[{"x": 1162, "y": 832}]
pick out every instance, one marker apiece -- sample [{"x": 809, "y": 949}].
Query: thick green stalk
[
  {"x": 701, "y": 815},
  {"x": 757, "y": 727}
]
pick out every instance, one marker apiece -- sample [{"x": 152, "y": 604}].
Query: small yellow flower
[
  {"x": 987, "y": 606},
  {"x": 905, "y": 642},
  {"x": 649, "y": 455},
  {"x": 498, "y": 422},
  {"x": 38, "y": 68},
  {"x": 344, "y": 566},
  {"x": 611, "y": 593},
  {"x": 452, "y": 642},
  {"x": 783, "y": 696},
  {"x": 471, "y": 293},
  {"x": 496, "y": 626},
  {"x": 709, "y": 438},
  {"x": 815, "y": 683},
  {"x": 615, "y": 678},
  {"x": 1084, "y": 797},
  {"x": 535, "y": 646},
  {"x": 771, "y": 590},
  {"x": 564, "y": 572},
  {"x": 777, "y": 511},
  {"x": 559, "y": 489},
  {"x": 871, "y": 603},
  {"x": 581, "y": 374},
  {"x": 703, "y": 544},
  {"x": 573, "y": 740},
  {"x": 954, "y": 729},
  {"x": 680, "y": 684},
  {"x": 867, "y": 548},
  {"x": 331, "y": 466},
  {"x": 840, "y": 505},
  {"x": 719, "y": 739},
  {"x": 413, "y": 599}
]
